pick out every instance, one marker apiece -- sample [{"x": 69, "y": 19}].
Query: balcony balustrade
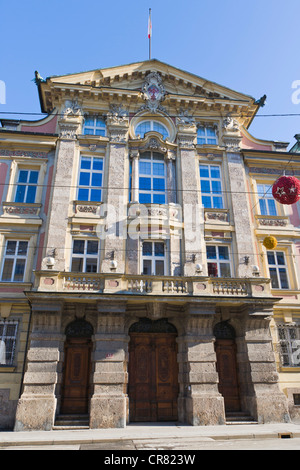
[{"x": 126, "y": 284}]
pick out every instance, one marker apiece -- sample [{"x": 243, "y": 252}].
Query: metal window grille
[{"x": 8, "y": 339}]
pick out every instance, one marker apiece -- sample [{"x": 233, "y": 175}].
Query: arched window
[{"x": 147, "y": 126}]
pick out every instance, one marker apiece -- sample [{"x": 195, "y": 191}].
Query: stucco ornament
[
  {"x": 72, "y": 108},
  {"x": 230, "y": 124},
  {"x": 154, "y": 91},
  {"x": 117, "y": 114}
]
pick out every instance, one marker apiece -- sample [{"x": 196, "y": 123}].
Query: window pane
[
  {"x": 85, "y": 163},
  {"x": 145, "y": 168},
  {"x": 20, "y": 193},
  {"x": 212, "y": 269},
  {"x": 97, "y": 179},
  {"x": 87, "y": 131},
  {"x": 33, "y": 178},
  {"x": 19, "y": 270},
  {"x": 7, "y": 270},
  {"x": 100, "y": 132},
  {"x": 11, "y": 247},
  {"x": 91, "y": 265},
  {"x": 158, "y": 169},
  {"x": 144, "y": 198},
  {"x": 263, "y": 207},
  {"x": 96, "y": 195},
  {"x": 272, "y": 207},
  {"x": 147, "y": 266},
  {"x": 159, "y": 268},
  {"x": 78, "y": 247},
  {"x": 84, "y": 179},
  {"x": 158, "y": 184},
  {"x": 83, "y": 195},
  {"x": 201, "y": 141},
  {"x": 30, "y": 198},
  {"x": 89, "y": 121},
  {"x": 210, "y": 131},
  {"x": 211, "y": 252},
  {"x": 159, "y": 199},
  {"x": 22, "y": 250},
  {"x": 225, "y": 270},
  {"x": 147, "y": 249},
  {"x": 92, "y": 247},
  {"x": 283, "y": 278},
  {"x": 98, "y": 164},
  {"x": 205, "y": 186},
  {"x": 216, "y": 186},
  {"x": 218, "y": 202},
  {"x": 201, "y": 131},
  {"x": 204, "y": 171},
  {"x": 159, "y": 249},
  {"x": 145, "y": 183},
  {"x": 271, "y": 257},
  {"x": 274, "y": 278},
  {"x": 215, "y": 172},
  {"x": 100, "y": 122},
  {"x": 280, "y": 258},
  {"x": 206, "y": 201},
  {"x": 77, "y": 265},
  {"x": 212, "y": 141},
  {"x": 23, "y": 175},
  {"x": 223, "y": 252}
]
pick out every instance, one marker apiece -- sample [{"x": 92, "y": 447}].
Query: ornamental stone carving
[
  {"x": 117, "y": 115},
  {"x": 72, "y": 108},
  {"x": 153, "y": 91},
  {"x": 184, "y": 119}
]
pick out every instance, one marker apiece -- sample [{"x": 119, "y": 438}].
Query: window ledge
[
  {"x": 272, "y": 220},
  {"x": 17, "y": 209},
  {"x": 216, "y": 215},
  {"x": 7, "y": 369},
  {"x": 289, "y": 369}
]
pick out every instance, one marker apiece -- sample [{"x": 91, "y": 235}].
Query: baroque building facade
[{"x": 135, "y": 285}]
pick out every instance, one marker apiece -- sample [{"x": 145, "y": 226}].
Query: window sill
[
  {"x": 289, "y": 369},
  {"x": 272, "y": 220},
  {"x": 18, "y": 209},
  {"x": 87, "y": 209},
  {"x": 7, "y": 369}
]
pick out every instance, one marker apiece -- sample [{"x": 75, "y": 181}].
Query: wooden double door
[
  {"x": 228, "y": 377},
  {"x": 153, "y": 377}
]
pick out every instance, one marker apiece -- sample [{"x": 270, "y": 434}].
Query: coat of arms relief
[{"x": 154, "y": 92}]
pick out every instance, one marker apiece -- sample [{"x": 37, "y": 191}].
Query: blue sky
[{"x": 249, "y": 46}]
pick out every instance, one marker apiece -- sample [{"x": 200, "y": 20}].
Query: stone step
[
  {"x": 239, "y": 417},
  {"x": 71, "y": 422}
]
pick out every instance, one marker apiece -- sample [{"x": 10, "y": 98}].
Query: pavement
[{"x": 148, "y": 434}]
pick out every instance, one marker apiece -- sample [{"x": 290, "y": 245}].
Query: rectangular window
[
  {"x": 266, "y": 201},
  {"x": 14, "y": 264},
  {"x": 278, "y": 270},
  {"x": 289, "y": 344},
  {"x": 218, "y": 261},
  {"x": 85, "y": 256},
  {"x": 94, "y": 125},
  {"x": 211, "y": 186},
  {"x": 153, "y": 258},
  {"x": 8, "y": 338},
  {"x": 206, "y": 135},
  {"x": 152, "y": 179},
  {"x": 90, "y": 179},
  {"x": 26, "y": 186}
]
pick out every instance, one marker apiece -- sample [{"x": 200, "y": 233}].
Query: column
[
  {"x": 117, "y": 196},
  {"x": 200, "y": 402},
  {"x": 37, "y": 405},
  {"x": 193, "y": 233},
  {"x": 109, "y": 403},
  {"x": 241, "y": 209},
  {"x": 62, "y": 184},
  {"x": 266, "y": 402}
]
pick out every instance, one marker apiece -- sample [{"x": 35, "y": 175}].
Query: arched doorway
[
  {"x": 225, "y": 348},
  {"x": 76, "y": 373},
  {"x": 153, "y": 371}
]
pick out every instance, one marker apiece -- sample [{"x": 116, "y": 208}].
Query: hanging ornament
[
  {"x": 270, "y": 242},
  {"x": 286, "y": 190}
]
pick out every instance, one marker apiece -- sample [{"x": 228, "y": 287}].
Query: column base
[
  {"x": 270, "y": 408},
  {"x": 205, "y": 410},
  {"x": 35, "y": 414},
  {"x": 108, "y": 412}
]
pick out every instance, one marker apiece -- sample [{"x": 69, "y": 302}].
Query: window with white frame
[
  {"x": 147, "y": 126},
  {"x": 152, "y": 179},
  {"x": 153, "y": 258},
  {"x": 85, "y": 256},
  {"x": 94, "y": 125},
  {"x": 218, "y": 261},
  {"x": 14, "y": 262},
  {"x": 90, "y": 179},
  {"x": 266, "y": 201},
  {"x": 8, "y": 339},
  {"x": 26, "y": 186},
  {"x": 211, "y": 186},
  {"x": 206, "y": 135},
  {"x": 278, "y": 269},
  {"x": 289, "y": 345}
]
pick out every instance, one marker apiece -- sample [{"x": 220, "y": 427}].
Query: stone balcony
[{"x": 142, "y": 285}]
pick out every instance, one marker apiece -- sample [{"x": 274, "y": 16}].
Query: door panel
[
  {"x": 227, "y": 370},
  {"x": 75, "y": 391},
  {"x": 153, "y": 377}
]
